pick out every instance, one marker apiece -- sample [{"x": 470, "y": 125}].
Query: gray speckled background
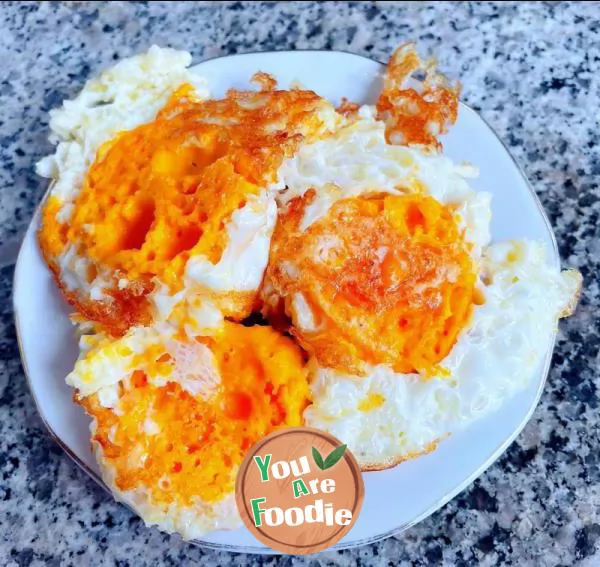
[{"x": 532, "y": 69}]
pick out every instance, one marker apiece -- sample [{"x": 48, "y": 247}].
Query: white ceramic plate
[{"x": 397, "y": 498}]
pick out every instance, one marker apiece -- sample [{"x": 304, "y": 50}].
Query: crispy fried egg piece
[
  {"x": 416, "y": 112},
  {"x": 173, "y": 417},
  {"x": 384, "y": 279},
  {"x": 387, "y": 417},
  {"x": 171, "y": 205}
]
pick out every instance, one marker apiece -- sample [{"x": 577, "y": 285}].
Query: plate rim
[{"x": 256, "y": 550}]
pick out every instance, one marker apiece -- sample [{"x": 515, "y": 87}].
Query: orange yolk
[
  {"x": 199, "y": 443},
  {"x": 389, "y": 280}
]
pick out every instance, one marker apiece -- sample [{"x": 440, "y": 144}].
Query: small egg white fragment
[
  {"x": 240, "y": 269},
  {"x": 387, "y": 417},
  {"x": 243, "y": 262}
]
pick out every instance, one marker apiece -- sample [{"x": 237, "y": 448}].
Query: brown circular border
[{"x": 287, "y": 547}]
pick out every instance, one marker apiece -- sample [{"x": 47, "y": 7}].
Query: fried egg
[
  {"x": 386, "y": 417},
  {"x": 172, "y": 417},
  {"x": 170, "y": 204},
  {"x": 362, "y": 222}
]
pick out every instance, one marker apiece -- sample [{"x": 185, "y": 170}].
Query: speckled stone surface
[{"x": 533, "y": 71}]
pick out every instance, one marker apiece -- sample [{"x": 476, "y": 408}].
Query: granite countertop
[{"x": 531, "y": 69}]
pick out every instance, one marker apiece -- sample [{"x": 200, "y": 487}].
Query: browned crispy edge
[{"x": 371, "y": 467}]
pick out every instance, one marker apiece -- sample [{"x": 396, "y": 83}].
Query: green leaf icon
[
  {"x": 331, "y": 459},
  {"x": 334, "y": 456},
  {"x": 318, "y": 459}
]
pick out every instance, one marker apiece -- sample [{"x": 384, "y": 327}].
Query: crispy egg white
[
  {"x": 388, "y": 417},
  {"x": 190, "y": 522},
  {"x": 172, "y": 418},
  {"x": 357, "y": 160}
]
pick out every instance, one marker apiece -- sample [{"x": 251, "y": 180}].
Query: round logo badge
[{"x": 299, "y": 490}]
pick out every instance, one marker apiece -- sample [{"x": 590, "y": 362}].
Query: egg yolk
[
  {"x": 194, "y": 445},
  {"x": 387, "y": 279},
  {"x": 164, "y": 192}
]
